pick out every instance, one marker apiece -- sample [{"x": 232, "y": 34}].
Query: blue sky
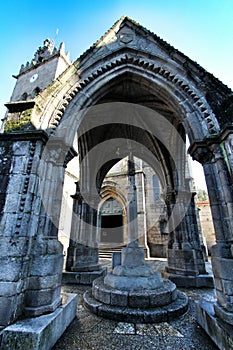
[{"x": 201, "y": 29}]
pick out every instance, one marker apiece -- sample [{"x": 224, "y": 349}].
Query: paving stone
[
  {"x": 96, "y": 332},
  {"x": 125, "y": 328}
]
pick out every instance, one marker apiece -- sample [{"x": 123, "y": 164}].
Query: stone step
[
  {"x": 136, "y": 315},
  {"x": 106, "y": 252}
]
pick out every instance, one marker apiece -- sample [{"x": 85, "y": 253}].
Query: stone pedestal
[
  {"x": 40, "y": 333},
  {"x": 86, "y": 268},
  {"x": 184, "y": 270},
  {"x": 44, "y": 280},
  {"x": 13, "y": 277},
  {"x": 218, "y": 330},
  {"x": 216, "y": 318},
  {"x": 133, "y": 292}
]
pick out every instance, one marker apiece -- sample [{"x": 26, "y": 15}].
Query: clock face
[{"x": 33, "y": 78}]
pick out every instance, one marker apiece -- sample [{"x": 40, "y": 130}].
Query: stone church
[{"x": 94, "y": 153}]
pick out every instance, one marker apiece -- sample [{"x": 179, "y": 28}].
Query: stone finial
[{"x": 44, "y": 52}]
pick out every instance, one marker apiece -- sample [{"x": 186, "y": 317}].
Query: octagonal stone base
[{"x": 137, "y": 306}]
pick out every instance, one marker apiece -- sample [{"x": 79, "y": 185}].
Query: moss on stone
[{"x": 21, "y": 123}]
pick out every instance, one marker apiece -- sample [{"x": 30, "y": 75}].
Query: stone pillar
[
  {"x": 19, "y": 198},
  {"x": 46, "y": 258},
  {"x": 194, "y": 235},
  {"x": 132, "y": 204},
  {"x": 75, "y": 227},
  {"x": 82, "y": 265},
  {"x": 31, "y": 257},
  {"x": 216, "y": 157},
  {"x": 220, "y": 191},
  {"x": 218, "y": 170},
  {"x": 133, "y": 285},
  {"x": 186, "y": 263},
  {"x": 86, "y": 256}
]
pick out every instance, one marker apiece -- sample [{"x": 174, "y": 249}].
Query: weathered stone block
[
  {"x": 46, "y": 265},
  {"x": 14, "y": 185},
  {"x": 85, "y": 277},
  {"x": 12, "y": 268},
  {"x": 86, "y": 256},
  {"x": 163, "y": 296},
  {"x": 13, "y": 246},
  {"x": 93, "y": 304},
  {"x": 19, "y": 165},
  {"x": 35, "y": 298},
  {"x": 11, "y": 288},
  {"x": 139, "y": 300},
  {"x": 225, "y": 300},
  {"x": 102, "y": 294},
  {"x": 43, "y": 246},
  {"x": 70, "y": 277},
  {"x": 227, "y": 287},
  {"x": 220, "y": 332},
  {"x": 51, "y": 281},
  {"x": 223, "y": 314},
  {"x": 155, "y": 316},
  {"x": 223, "y": 268},
  {"x": 11, "y": 307},
  {"x": 40, "y": 333},
  {"x": 21, "y": 148},
  {"x": 12, "y": 203},
  {"x": 132, "y": 256},
  {"x": 116, "y": 259},
  {"x": 119, "y": 298}
]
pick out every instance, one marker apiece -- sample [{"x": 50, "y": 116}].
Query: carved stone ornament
[{"x": 125, "y": 36}]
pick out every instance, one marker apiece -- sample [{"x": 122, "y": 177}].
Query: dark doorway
[{"x": 111, "y": 229}]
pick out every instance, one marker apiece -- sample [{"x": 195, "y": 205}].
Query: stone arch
[
  {"x": 109, "y": 191},
  {"x": 193, "y": 109},
  {"x": 201, "y": 105}
]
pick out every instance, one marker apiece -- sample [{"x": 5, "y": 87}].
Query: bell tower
[{"x": 47, "y": 64}]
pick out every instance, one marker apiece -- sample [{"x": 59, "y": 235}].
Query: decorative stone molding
[{"x": 127, "y": 60}]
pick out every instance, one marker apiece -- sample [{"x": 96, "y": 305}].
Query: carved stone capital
[
  {"x": 201, "y": 153},
  {"x": 69, "y": 156}
]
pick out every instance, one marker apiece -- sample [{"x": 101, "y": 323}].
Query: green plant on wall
[{"x": 20, "y": 123}]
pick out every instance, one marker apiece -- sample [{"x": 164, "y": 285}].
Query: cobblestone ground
[{"x": 88, "y": 331}]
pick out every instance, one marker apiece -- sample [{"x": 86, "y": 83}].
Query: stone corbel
[{"x": 58, "y": 153}]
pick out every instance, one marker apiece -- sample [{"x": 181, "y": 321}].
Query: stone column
[
  {"x": 86, "y": 248},
  {"x": 31, "y": 257},
  {"x": 20, "y": 219},
  {"x": 186, "y": 264},
  {"x": 82, "y": 265},
  {"x": 19, "y": 197},
  {"x": 31, "y": 266},
  {"x": 218, "y": 171},
  {"x": 194, "y": 235},
  {"x": 132, "y": 204},
  {"x": 75, "y": 227},
  {"x": 46, "y": 260}
]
